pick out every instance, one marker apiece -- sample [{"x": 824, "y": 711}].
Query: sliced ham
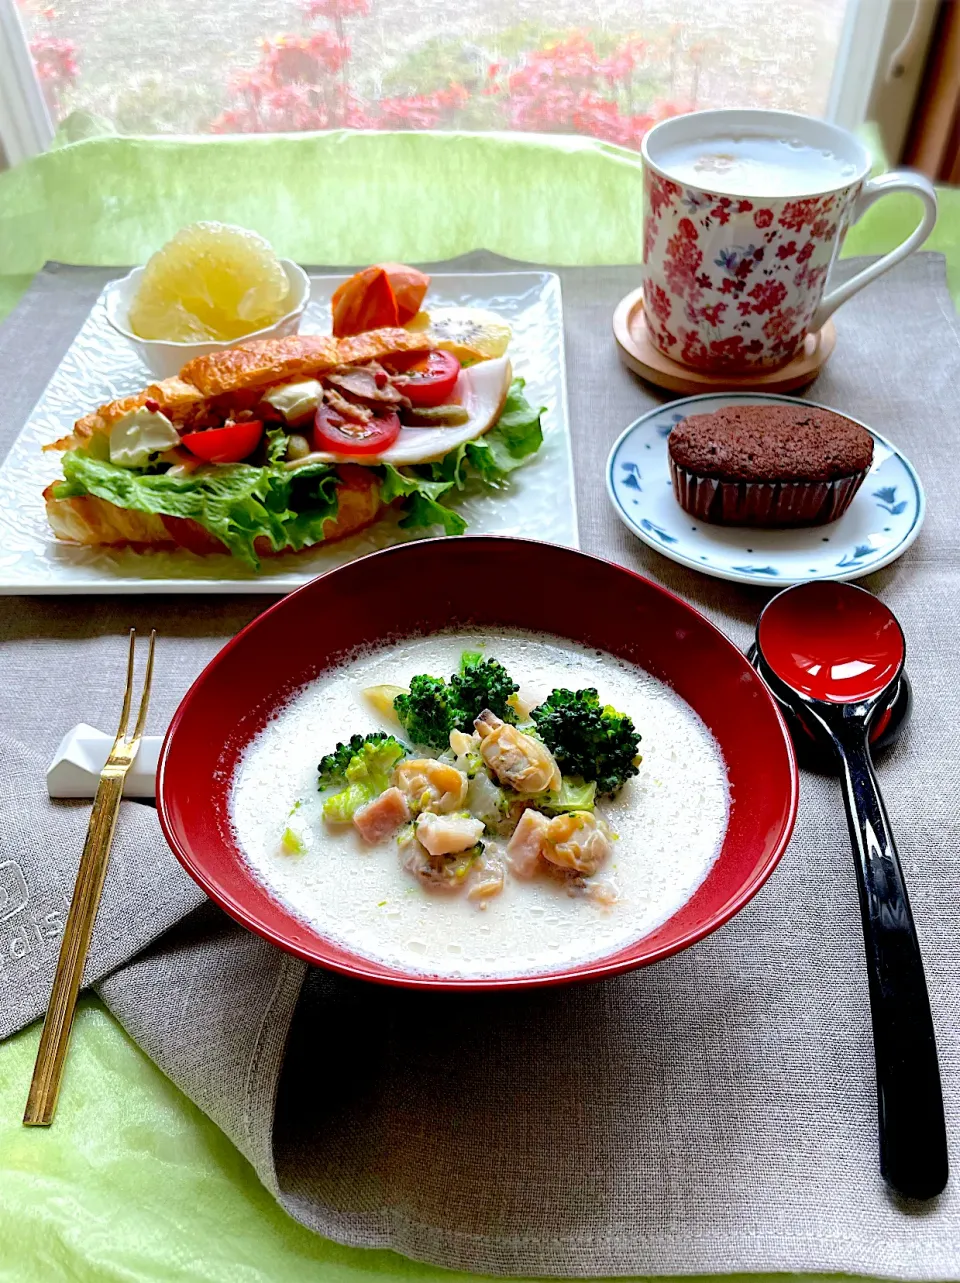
[{"x": 382, "y": 817}]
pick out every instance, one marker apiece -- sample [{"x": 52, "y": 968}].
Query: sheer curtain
[{"x": 607, "y": 68}]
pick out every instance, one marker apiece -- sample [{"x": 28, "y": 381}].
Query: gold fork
[{"x": 55, "y": 1038}]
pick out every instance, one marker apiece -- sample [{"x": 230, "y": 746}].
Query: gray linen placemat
[
  {"x": 713, "y": 1113},
  {"x": 40, "y": 844}
]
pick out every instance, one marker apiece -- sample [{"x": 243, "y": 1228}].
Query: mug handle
[{"x": 899, "y": 180}]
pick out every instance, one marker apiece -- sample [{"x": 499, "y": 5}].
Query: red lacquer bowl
[{"x": 491, "y": 582}]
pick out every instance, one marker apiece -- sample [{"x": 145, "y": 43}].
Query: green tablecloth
[
  {"x": 133, "y": 1182},
  {"x": 354, "y": 198}
]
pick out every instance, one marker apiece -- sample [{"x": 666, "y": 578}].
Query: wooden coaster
[{"x": 639, "y": 353}]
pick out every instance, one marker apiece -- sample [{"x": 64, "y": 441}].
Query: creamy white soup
[
  {"x": 666, "y": 824},
  {"x": 756, "y": 166}
]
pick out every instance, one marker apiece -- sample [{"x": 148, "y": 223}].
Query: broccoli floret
[
  {"x": 588, "y": 738},
  {"x": 332, "y": 768},
  {"x": 432, "y": 708},
  {"x": 426, "y": 712},
  {"x": 367, "y": 774},
  {"x": 481, "y": 683}
]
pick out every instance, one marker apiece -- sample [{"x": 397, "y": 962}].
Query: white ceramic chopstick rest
[{"x": 76, "y": 766}]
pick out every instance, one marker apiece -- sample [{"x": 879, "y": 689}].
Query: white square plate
[{"x": 100, "y": 366}]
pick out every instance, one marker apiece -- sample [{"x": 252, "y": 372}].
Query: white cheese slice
[
  {"x": 295, "y": 400},
  {"x": 481, "y": 390},
  {"x": 138, "y": 435}
]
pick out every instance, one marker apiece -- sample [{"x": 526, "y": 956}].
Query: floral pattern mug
[{"x": 734, "y": 283}]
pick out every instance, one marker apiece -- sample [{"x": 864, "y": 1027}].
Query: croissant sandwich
[{"x": 281, "y": 444}]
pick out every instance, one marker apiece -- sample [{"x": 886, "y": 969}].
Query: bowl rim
[
  {"x": 289, "y": 266},
  {"x": 370, "y": 969}
]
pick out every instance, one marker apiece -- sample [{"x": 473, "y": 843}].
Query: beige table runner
[{"x": 715, "y": 1113}]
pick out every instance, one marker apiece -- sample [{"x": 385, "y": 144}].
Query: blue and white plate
[{"x": 881, "y": 523}]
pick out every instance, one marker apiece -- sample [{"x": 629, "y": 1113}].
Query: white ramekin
[{"x": 166, "y": 359}]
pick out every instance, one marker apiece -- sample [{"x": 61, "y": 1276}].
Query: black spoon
[{"x": 834, "y": 654}]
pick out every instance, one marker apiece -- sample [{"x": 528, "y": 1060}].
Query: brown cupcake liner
[{"x": 763, "y": 503}]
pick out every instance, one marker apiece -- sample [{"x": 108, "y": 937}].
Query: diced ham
[
  {"x": 382, "y": 817},
  {"x": 523, "y": 849}
]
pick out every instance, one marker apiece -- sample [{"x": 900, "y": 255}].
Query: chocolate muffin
[{"x": 768, "y": 465}]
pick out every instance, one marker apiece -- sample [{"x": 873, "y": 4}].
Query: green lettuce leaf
[
  {"x": 518, "y": 427},
  {"x": 276, "y": 445},
  {"x": 235, "y": 502},
  {"x": 423, "y": 512},
  {"x": 420, "y": 498},
  {"x": 311, "y": 500},
  {"x": 495, "y": 455}
]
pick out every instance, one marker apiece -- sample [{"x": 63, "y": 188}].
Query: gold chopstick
[{"x": 55, "y": 1038}]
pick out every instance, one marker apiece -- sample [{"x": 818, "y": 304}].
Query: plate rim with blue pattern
[{"x": 700, "y": 548}]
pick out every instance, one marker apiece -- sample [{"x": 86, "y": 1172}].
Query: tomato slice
[
  {"x": 365, "y": 302},
  {"x": 229, "y": 444},
  {"x": 425, "y": 378},
  {"x": 336, "y": 435}
]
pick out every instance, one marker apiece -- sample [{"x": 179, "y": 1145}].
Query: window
[{"x": 606, "y": 68}]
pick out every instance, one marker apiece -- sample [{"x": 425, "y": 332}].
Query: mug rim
[{"x": 743, "y": 116}]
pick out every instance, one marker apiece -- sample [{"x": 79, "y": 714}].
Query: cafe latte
[{"x": 754, "y": 165}]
